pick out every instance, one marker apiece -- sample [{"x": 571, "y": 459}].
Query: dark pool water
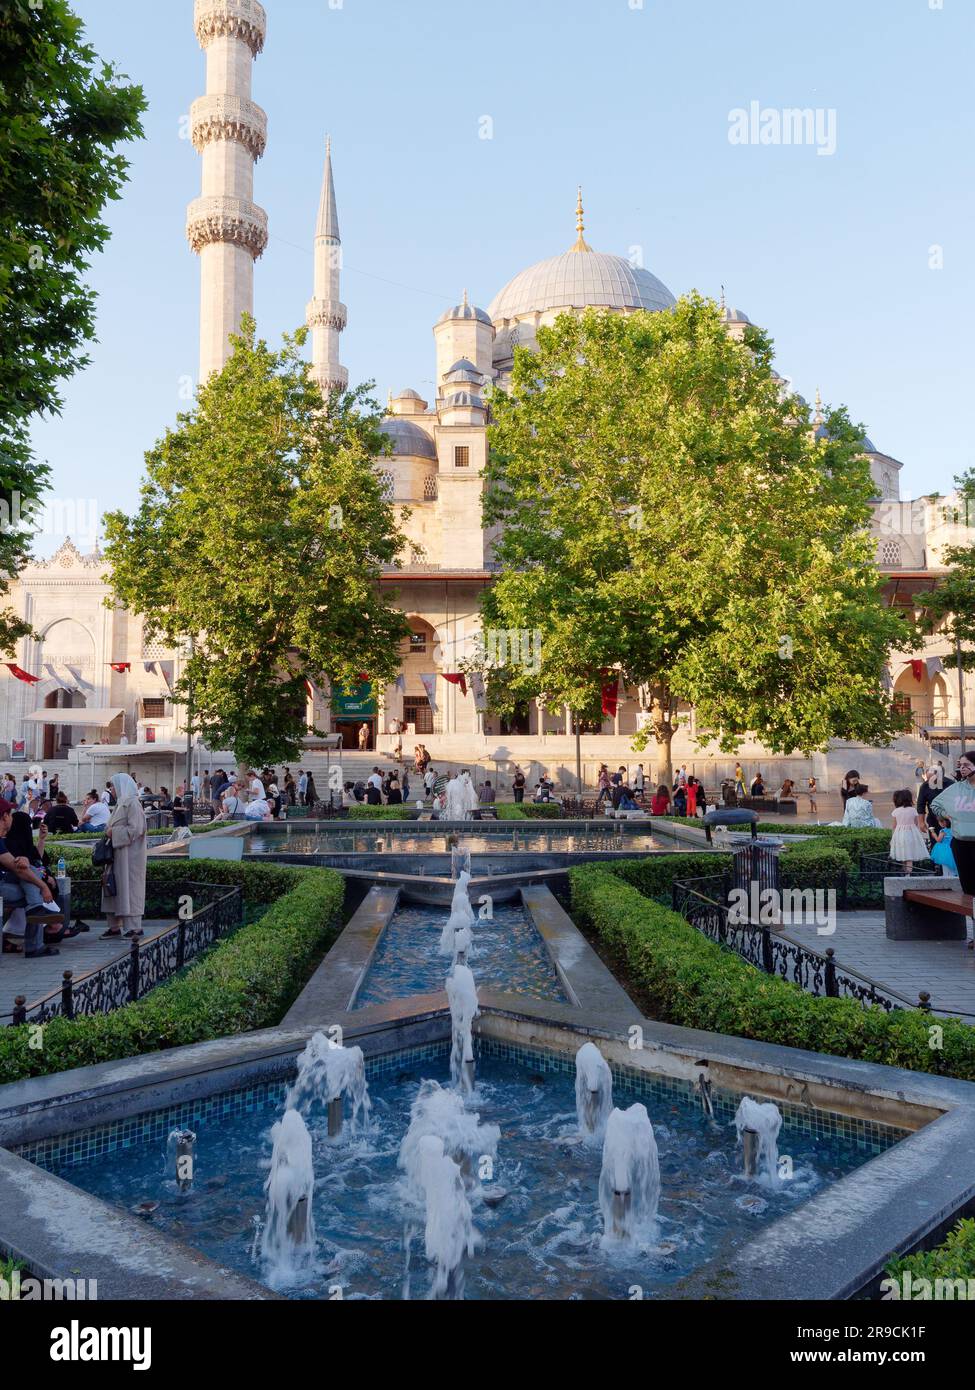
[
  {"x": 508, "y": 954},
  {"x": 541, "y": 1242}
]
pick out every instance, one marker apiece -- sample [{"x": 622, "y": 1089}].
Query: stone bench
[{"x": 935, "y": 912}]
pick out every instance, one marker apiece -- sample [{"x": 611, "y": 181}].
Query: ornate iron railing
[
  {"x": 205, "y": 912},
  {"x": 704, "y": 904}
]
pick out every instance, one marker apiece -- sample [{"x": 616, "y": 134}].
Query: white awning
[{"x": 91, "y": 717}]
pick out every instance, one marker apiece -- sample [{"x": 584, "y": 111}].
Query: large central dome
[{"x": 578, "y": 279}]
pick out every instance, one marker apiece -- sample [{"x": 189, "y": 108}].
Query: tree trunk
[
  {"x": 663, "y": 707},
  {"x": 665, "y": 763}
]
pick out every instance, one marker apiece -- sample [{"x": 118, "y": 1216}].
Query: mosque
[{"x": 90, "y": 680}]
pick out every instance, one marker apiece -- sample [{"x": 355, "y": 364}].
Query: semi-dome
[{"x": 407, "y": 439}]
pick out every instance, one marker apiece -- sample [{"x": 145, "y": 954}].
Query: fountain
[
  {"x": 329, "y": 1072},
  {"x": 179, "y": 1157},
  {"x": 461, "y": 799},
  {"x": 594, "y": 1091},
  {"x": 462, "y": 996},
  {"x": 460, "y": 858},
  {"x": 439, "y": 1111},
  {"x": 629, "y": 1183},
  {"x": 288, "y": 1237},
  {"x": 758, "y": 1128},
  {"x": 463, "y": 942},
  {"x": 461, "y": 914},
  {"x": 449, "y": 1233}
]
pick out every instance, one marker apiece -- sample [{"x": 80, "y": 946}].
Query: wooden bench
[
  {"x": 925, "y": 914},
  {"x": 944, "y": 902}
]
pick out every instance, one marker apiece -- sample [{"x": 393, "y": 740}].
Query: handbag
[
  {"x": 109, "y": 885},
  {"x": 102, "y": 852}
]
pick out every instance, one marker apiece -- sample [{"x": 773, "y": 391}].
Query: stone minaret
[
  {"x": 326, "y": 315},
  {"x": 225, "y": 226}
]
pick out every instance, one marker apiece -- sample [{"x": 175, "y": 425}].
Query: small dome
[
  {"x": 463, "y": 400},
  {"x": 408, "y": 394},
  {"x": 868, "y": 447},
  {"x": 734, "y": 316},
  {"x": 407, "y": 439},
  {"x": 580, "y": 279},
  {"x": 462, "y": 371},
  {"x": 464, "y": 310}
]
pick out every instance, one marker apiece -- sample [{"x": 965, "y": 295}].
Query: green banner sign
[{"x": 355, "y": 704}]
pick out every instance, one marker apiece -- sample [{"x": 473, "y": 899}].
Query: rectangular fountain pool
[
  {"x": 508, "y": 955},
  {"x": 408, "y": 840},
  {"x": 543, "y": 1238}
]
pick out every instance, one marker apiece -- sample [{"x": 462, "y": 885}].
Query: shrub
[
  {"x": 814, "y": 864},
  {"x": 953, "y": 1259},
  {"x": 363, "y": 811},
  {"x": 248, "y": 980},
  {"x": 528, "y": 810},
  {"x": 685, "y": 978}
]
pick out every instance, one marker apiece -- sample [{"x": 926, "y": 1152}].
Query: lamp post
[{"x": 961, "y": 694}]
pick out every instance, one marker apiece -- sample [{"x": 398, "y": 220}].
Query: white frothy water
[
  {"x": 463, "y": 946},
  {"x": 441, "y": 1112},
  {"x": 288, "y": 1238},
  {"x": 629, "y": 1183},
  {"x": 460, "y": 861},
  {"x": 461, "y": 915},
  {"x": 326, "y": 1072},
  {"x": 594, "y": 1092},
  {"x": 765, "y": 1120},
  {"x": 449, "y": 1233},
  {"x": 461, "y": 798},
  {"x": 462, "y": 997}
]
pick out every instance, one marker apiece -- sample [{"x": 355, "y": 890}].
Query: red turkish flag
[
  {"x": 456, "y": 678},
  {"x": 15, "y": 670},
  {"x": 610, "y": 693},
  {"x": 918, "y": 668}
]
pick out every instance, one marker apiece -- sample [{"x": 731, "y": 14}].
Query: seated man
[
  {"x": 485, "y": 794},
  {"x": 61, "y": 819},
  {"x": 21, "y": 886},
  {"x": 95, "y": 814},
  {"x": 258, "y": 809}
]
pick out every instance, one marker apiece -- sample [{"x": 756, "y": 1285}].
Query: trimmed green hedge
[
  {"x": 528, "y": 810},
  {"x": 363, "y": 811},
  {"x": 246, "y": 981},
  {"x": 953, "y": 1259},
  {"x": 685, "y": 978}
]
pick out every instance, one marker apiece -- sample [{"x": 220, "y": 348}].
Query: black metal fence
[
  {"x": 703, "y": 903},
  {"x": 205, "y": 912}
]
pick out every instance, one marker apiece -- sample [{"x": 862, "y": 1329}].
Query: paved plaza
[{"x": 946, "y": 969}]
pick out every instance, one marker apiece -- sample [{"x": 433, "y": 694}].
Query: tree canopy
[
  {"x": 63, "y": 115},
  {"x": 670, "y": 515},
  {"x": 262, "y": 532}
]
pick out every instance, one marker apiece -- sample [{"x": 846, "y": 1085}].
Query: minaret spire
[
  {"x": 225, "y": 226},
  {"x": 327, "y": 316},
  {"x": 581, "y": 243}
]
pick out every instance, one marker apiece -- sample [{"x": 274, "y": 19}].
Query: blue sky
[{"x": 830, "y": 253}]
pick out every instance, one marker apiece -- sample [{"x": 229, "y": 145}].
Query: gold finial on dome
[{"x": 581, "y": 243}]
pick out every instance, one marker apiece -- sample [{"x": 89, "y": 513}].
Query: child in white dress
[{"x": 907, "y": 844}]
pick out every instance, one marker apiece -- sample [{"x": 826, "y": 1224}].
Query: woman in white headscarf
[{"x": 127, "y": 832}]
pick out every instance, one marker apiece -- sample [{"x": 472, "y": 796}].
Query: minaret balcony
[
  {"x": 326, "y": 313},
  {"x": 236, "y": 19},
  {"x": 222, "y": 117},
  {"x": 234, "y": 220}
]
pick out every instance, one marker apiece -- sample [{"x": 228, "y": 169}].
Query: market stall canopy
[{"x": 91, "y": 717}]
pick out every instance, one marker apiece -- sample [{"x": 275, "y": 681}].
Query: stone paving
[
  {"x": 946, "y": 969},
  {"x": 81, "y": 954}
]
